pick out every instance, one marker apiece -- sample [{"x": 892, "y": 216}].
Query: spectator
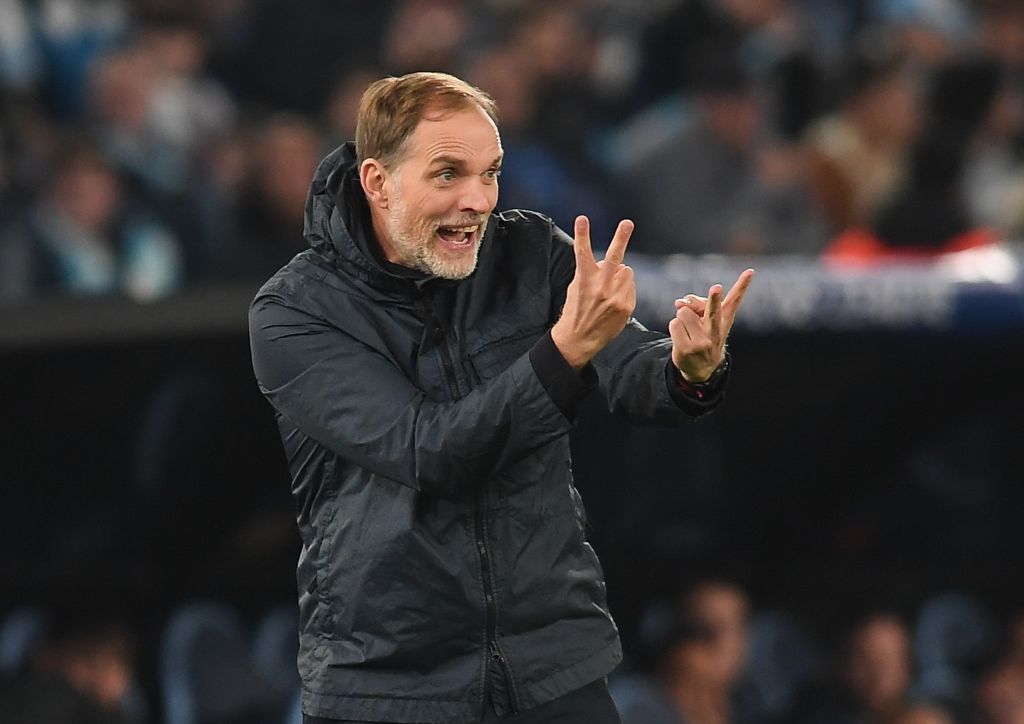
[
  {"x": 343, "y": 104},
  {"x": 858, "y": 153},
  {"x": 925, "y": 714},
  {"x": 928, "y": 32},
  {"x": 81, "y": 674},
  {"x": 187, "y": 108},
  {"x": 426, "y": 35},
  {"x": 711, "y": 189},
  {"x": 1000, "y": 696},
  {"x": 124, "y": 85},
  {"x": 930, "y": 213},
  {"x": 71, "y": 37},
  {"x": 698, "y": 651},
  {"x": 84, "y": 238},
  {"x": 875, "y": 675},
  {"x": 283, "y": 155}
]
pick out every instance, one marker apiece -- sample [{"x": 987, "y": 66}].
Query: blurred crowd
[
  {"x": 706, "y": 657},
  {"x": 151, "y": 145},
  {"x": 702, "y": 655}
]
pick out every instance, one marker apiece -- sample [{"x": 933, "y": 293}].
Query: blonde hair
[{"x": 391, "y": 108}]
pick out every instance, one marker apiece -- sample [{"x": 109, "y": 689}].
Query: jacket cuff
[
  {"x": 702, "y": 397},
  {"x": 564, "y": 385}
]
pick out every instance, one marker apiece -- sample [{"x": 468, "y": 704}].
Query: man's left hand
[{"x": 702, "y": 325}]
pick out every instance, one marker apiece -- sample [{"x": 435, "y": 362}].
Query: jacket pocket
[{"x": 496, "y": 356}]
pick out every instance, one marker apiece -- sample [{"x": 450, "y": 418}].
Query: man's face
[{"x": 441, "y": 194}]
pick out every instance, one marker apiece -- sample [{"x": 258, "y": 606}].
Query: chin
[{"x": 454, "y": 269}]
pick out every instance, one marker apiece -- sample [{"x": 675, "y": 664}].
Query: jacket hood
[{"x": 337, "y": 224}]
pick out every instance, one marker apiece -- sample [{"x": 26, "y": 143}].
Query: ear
[{"x": 374, "y": 179}]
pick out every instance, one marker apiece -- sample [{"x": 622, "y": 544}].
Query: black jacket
[{"x": 426, "y": 427}]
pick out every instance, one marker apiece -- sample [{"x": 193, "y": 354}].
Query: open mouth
[{"x": 458, "y": 238}]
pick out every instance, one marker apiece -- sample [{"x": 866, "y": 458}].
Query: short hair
[{"x": 392, "y": 107}]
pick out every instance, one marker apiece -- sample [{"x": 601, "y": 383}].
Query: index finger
[
  {"x": 617, "y": 248},
  {"x": 735, "y": 296},
  {"x": 581, "y": 243}
]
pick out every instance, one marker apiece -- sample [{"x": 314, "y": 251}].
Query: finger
[
  {"x": 624, "y": 284},
  {"x": 689, "y": 299},
  {"x": 694, "y": 302},
  {"x": 581, "y": 244},
  {"x": 617, "y": 249},
  {"x": 739, "y": 289},
  {"x": 690, "y": 321},
  {"x": 713, "y": 312},
  {"x": 735, "y": 297},
  {"x": 679, "y": 332}
]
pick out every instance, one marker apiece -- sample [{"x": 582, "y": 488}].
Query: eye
[
  {"x": 447, "y": 175},
  {"x": 493, "y": 173}
]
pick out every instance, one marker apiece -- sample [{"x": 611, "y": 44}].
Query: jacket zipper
[
  {"x": 487, "y": 574},
  {"x": 449, "y": 370},
  {"x": 446, "y": 356},
  {"x": 497, "y": 657}
]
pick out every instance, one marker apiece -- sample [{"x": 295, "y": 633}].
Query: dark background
[{"x": 845, "y": 470}]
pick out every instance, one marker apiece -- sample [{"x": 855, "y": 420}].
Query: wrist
[
  {"x": 572, "y": 351},
  {"x": 697, "y": 381}
]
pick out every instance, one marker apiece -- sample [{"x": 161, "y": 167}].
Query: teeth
[{"x": 466, "y": 229}]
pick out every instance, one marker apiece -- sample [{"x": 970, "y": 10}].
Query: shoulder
[
  {"x": 302, "y": 283},
  {"x": 523, "y": 222},
  {"x": 531, "y": 228}
]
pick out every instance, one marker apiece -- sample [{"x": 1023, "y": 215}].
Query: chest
[{"x": 451, "y": 340}]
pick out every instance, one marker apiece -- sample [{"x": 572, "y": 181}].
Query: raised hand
[
  {"x": 600, "y": 298},
  {"x": 701, "y": 326}
]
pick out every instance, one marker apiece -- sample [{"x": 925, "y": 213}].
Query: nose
[{"x": 478, "y": 197}]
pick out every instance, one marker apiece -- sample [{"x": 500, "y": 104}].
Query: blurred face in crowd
[
  {"x": 426, "y": 34},
  {"x": 122, "y": 89},
  {"x": 889, "y": 110},
  {"x": 1001, "y": 697},
  {"x": 87, "y": 192},
  {"x": 731, "y": 116},
  {"x": 1002, "y": 33},
  {"x": 175, "y": 50},
  {"x": 103, "y": 674},
  {"x": 878, "y": 667},
  {"x": 924, "y": 715},
  {"x": 714, "y": 659},
  {"x": 431, "y": 209},
  {"x": 287, "y": 156},
  {"x": 723, "y": 609}
]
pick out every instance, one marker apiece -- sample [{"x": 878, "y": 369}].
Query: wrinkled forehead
[{"x": 467, "y": 133}]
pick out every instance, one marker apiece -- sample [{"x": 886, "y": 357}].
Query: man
[
  {"x": 81, "y": 672},
  {"x": 426, "y": 360},
  {"x": 697, "y": 649}
]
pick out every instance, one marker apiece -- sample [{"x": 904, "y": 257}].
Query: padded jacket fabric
[{"x": 426, "y": 427}]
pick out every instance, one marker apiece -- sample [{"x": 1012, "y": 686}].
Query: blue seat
[
  {"x": 275, "y": 649},
  {"x": 206, "y": 668},
  {"x": 953, "y": 632},
  {"x": 20, "y": 631},
  {"x": 782, "y": 660}
]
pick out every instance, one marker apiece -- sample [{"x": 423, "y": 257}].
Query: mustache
[{"x": 466, "y": 221}]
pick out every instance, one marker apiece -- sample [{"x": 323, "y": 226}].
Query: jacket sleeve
[
  {"x": 357, "y": 403},
  {"x": 635, "y": 370}
]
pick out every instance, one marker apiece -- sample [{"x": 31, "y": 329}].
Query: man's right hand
[{"x": 600, "y": 298}]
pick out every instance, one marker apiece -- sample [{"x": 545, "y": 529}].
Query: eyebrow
[{"x": 458, "y": 162}]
